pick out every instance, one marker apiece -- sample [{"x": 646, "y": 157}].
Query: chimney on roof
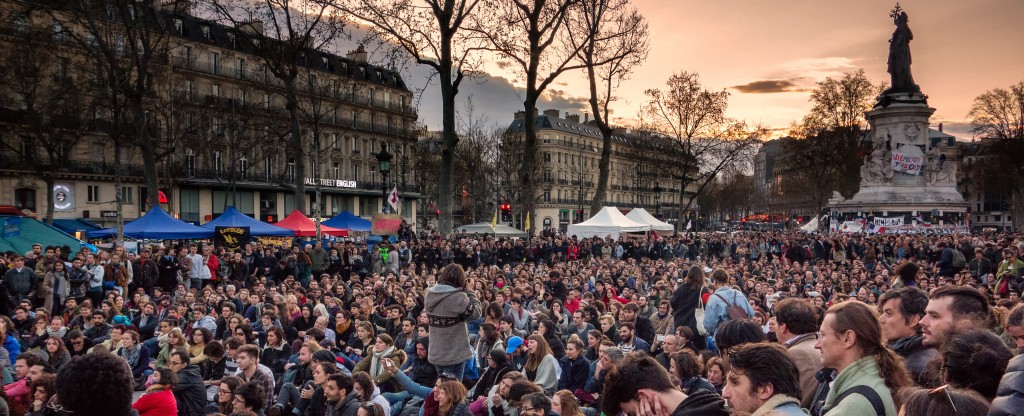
[
  {"x": 358, "y": 55},
  {"x": 174, "y": 6},
  {"x": 254, "y": 27},
  {"x": 575, "y": 118},
  {"x": 586, "y": 118},
  {"x": 551, "y": 113},
  {"x": 940, "y": 127},
  {"x": 520, "y": 115}
]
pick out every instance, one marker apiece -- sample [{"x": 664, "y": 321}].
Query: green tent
[{"x": 20, "y": 238}]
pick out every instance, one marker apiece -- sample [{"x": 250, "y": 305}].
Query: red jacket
[{"x": 157, "y": 403}]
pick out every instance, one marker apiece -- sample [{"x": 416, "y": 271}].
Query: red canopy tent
[{"x": 305, "y": 227}]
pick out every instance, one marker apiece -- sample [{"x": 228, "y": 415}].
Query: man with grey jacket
[{"x": 449, "y": 304}]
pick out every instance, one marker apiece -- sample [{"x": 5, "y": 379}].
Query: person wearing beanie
[
  {"x": 497, "y": 366},
  {"x": 326, "y": 356}
]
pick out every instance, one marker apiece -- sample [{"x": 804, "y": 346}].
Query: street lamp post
[{"x": 384, "y": 166}]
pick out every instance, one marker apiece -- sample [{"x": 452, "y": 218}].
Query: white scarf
[{"x": 375, "y": 364}]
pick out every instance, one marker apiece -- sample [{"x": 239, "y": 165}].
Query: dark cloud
[
  {"x": 503, "y": 64},
  {"x": 769, "y": 86}
]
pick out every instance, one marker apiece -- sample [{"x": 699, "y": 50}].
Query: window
[
  {"x": 547, "y": 196},
  {"x": 189, "y": 203},
  {"x": 290, "y": 171},
  {"x": 336, "y": 170},
  {"x": 335, "y": 143},
  {"x": 268, "y": 167},
  {"x": 58, "y": 31},
  {"x": 214, "y": 62},
  {"x": 19, "y": 22},
  {"x": 206, "y": 31},
  {"x": 355, "y": 172},
  {"x": 189, "y": 88},
  {"x": 215, "y": 90},
  {"x": 93, "y": 193},
  {"x": 239, "y": 68},
  {"x": 243, "y": 166},
  {"x": 266, "y": 100},
  {"x": 127, "y": 195},
  {"x": 25, "y": 198},
  {"x": 178, "y": 26},
  {"x": 218, "y": 163},
  {"x": 190, "y": 162},
  {"x": 231, "y": 39}
]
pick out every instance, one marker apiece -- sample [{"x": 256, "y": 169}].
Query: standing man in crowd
[
  {"x": 901, "y": 311},
  {"x": 796, "y": 331}
]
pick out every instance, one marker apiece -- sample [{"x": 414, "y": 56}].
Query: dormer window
[
  {"x": 179, "y": 26},
  {"x": 231, "y": 39},
  {"x": 206, "y": 32},
  {"x": 324, "y": 59}
]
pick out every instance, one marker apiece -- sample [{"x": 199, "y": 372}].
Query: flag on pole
[
  {"x": 526, "y": 226},
  {"x": 393, "y": 199},
  {"x": 494, "y": 221},
  {"x": 689, "y": 224}
]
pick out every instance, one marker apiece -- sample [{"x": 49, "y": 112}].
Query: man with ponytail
[{"x": 850, "y": 340}]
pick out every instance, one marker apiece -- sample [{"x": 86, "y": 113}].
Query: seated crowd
[{"x": 681, "y": 325}]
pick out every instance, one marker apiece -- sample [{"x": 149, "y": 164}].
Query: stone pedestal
[{"x": 904, "y": 175}]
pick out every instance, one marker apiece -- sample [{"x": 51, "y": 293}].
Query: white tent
[
  {"x": 811, "y": 225},
  {"x": 641, "y": 215},
  {"x": 485, "y": 228},
  {"x": 608, "y": 221}
]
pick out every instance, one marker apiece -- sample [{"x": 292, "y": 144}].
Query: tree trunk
[
  {"x": 48, "y": 180},
  {"x": 149, "y": 172},
  {"x": 527, "y": 182},
  {"x": 601, "y": 191},
  {"x": 292, "y": 104},
  {"x": 450, "y": 139},
  {"x": 1018, "y": 209}
]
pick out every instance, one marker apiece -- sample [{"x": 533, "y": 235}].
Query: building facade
[
  {"x": 223, "y": 125},
  {"x": 569, "y": 156}
]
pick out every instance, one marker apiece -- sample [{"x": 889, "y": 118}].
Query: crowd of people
[{"x": 750, "y": 323}]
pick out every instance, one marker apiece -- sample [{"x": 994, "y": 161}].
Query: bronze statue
[{"x": 899, "y": 54}]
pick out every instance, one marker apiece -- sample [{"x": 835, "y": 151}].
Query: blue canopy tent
[
  {"x": 20, "y": 233},
  {"x": 156, "y": 225},
  {"x": 348, "y": 221},
  {"x": 71, "y": 225},
  {"x": 235, "y": 218}
]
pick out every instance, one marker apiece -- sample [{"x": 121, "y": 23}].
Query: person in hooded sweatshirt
[
  {"x": 449, "y": 304},
  {"x": 639, "y": 382}
]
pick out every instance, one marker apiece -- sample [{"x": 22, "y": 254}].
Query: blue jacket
[
  {"x": 716, "y": 311},
  {"x": 13, "y": 348}
]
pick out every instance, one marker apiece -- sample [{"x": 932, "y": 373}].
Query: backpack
[
  {"x": 817, "y": 409},
  {"x": 959, "y": 261},
  {"x": 735, "y": 311}
]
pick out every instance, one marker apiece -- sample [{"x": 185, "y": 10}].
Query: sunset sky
[{"x": 769, "y": 54}]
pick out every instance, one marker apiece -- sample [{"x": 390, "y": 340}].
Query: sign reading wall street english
[{"x": 332, "y": 183}]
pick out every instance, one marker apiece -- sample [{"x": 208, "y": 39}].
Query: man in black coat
[{"x": 189, "y": 391}]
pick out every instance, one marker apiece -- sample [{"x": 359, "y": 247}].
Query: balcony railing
[
  {"x": 257, "y": 75},
  {"x": 259, "y": 176}
]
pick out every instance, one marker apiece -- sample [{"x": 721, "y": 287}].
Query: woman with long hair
[
  {"x": 553, "y": 336},
  {"x": 274, "y": 354},
  {"x": 689, "y": 296},
  {"x": 449, "y": 399},
  {"x": 304, "y": 320},
  {"x": 487, "y": 341},
  {"x": 200, "y": 337},
  {"x": 686, "y": 366},
  {"x": 594, "y": 338},
  {"x": 225, "y": 396},
  {"x": 541, "y": 365},
  {"x": 159, "y": 397},
  {"x": 55, "y": 286},
  {"x": 497, "y": 366},
  {"x": 174, "y": 340},
  {"x": 133, "y": 353},
  {"x": 564, "y": 403},
  {"x": 57, "y": 354},
  {"x": 368, "y": 392},
  {"x": 362, "y": 340}
]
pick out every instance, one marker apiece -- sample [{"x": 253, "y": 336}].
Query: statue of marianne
[{"x": 899, "y": 55}]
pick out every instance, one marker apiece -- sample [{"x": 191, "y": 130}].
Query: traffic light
[{"x": 506, "y": 212}]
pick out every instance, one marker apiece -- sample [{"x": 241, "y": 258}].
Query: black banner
[{"x": 231, "y": 237}]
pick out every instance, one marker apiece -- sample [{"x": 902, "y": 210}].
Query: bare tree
[
  {"x": 533, "y": 35},
  {"x": 690, "y": 128},
  {"x": 998, "y": 117},
  {"x": 284, "y": 34},
  {"x": 433, "y": 33},
  {"x": 614, "y": 43},
  {"x": 825, "y": 155},
  {"x": 125, "y": 41},
  {"x": 42, "y": 104}
]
